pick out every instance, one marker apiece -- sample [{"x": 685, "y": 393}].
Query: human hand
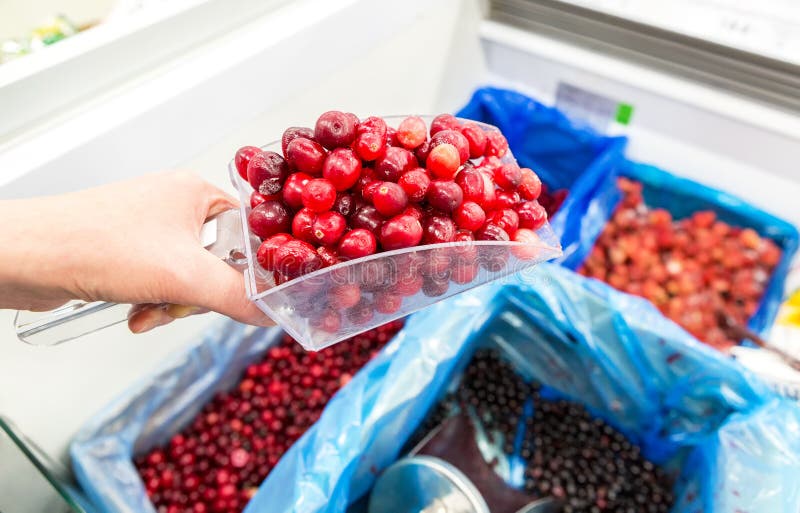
[{"x": 130, "y": 242}]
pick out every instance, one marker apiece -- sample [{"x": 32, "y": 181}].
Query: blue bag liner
[
  {"x": 682, "y": 197},
  {"x": 563, "y": 153},
  {"x": 685, "y": 404}
]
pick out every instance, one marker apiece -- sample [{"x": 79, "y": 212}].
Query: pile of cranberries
[
  {"x": 699, "y": 271},
  {"x": 217, "y": 463},
  {"x": 349, "y": 188},
  {"x": 568, "y": 454},
  {"x": 552, "y": 200}
]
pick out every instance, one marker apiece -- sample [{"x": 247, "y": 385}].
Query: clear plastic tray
[{"x": 306, "y": 307}]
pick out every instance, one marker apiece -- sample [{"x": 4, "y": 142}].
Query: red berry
[
  {"x": 465, "y": 253},
  {"x": 344, "y": 296},
  {"x": 371, "y": 138},
  {"x": 496, "y": 144},
  {"x": 472, "y": 185},
  {"x": 438, "y": 229},
  {"x": 387, "y": 302},
  {"x": 306, "y": 156},
  {"x": 464, "y": 273},
  {"x": 409, "y": 283},
  {"x": 435, "y": 286},
  {"x": 269, "y": 218},
  {"x": 335, "y": 129},
  {"x": 356, "y": 244},
  {"x": 368, "y": 191},
  {"x": 256, "y": 198},
  {"x": 475, "y": 137},
  {"x": 389, "y": 198},
  {"x": 328, "y": 255},
  {"x": 266, "y": 252},
  {"x": 292, "y": 133},
  {"x": 394, "y": 163},
  {"x": 345, "y": 204},
  {"x": 303, "y": 225},
  {"x": 391, "y": 137},
  {"x": 444, "y": 122},
  {"x": 528, "y": 237},
  {"x": 342, "y": 168},
  {"x": 455, "y": 138},
  {"x": 532, "y": 215},
  {"x": 508, "y": 176},
  {"x": 319, "y": 195},
  {"x": 469, "y": 216},
  {"x": 293, "y": 189},
  {"x": 360, "y": 314},
  {"x": 328, "y": 228},
  {"x": 445, "y": 195},
  {"x": 492, "y": 232},
  {"x": 443, "y": 161},
  {"x": 422, "y": 151},
  {"x": 505, "y": 199},
  {"x": 296, "y": 258},
  {"x": 414, "y": 211},
  {"x": 368, "y": 218},
  {"x": 242, "y": 159},
  {"x": 412, "y": 132},
  {"x": 415, "y": 182},
  {"x": 531, "y": 186},
  {"x": 266, "y": 172},
  {"x": 400, "y": 232},
  {"x": 506, "y": 219}
]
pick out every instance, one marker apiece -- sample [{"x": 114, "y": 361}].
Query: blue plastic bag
[
  {"x": 563, "y": 154},
  {"x": 682, "y": 197},
  {"x": 685, "y": 404}
]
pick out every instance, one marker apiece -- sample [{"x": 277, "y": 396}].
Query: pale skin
[{"x": 134, "y": 242}]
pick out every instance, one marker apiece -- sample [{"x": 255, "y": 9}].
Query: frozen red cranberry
[
  {"x": 508, "y": 176},
  {"x": 443, "y": 161},
  {"x": 345, "y": 204},
  {"x": 415, "y": 182},
  {"x": 469, "y": 216},
  {"x": 356, "y": 244},
  {"x": 328, "y": 255},
  {"x": 408, "y": 283},
  {"x": 529, "y": 237},
  {"x": 422, "y": 151},
  {"x": 343, "y": 168},
  {"x": 371, "y": 138},
  {"x": 387, "y": 302},
  {"x": 400, "y": 232},
  {"x": 296, "y": 258},
  {"x": 344, "y": 296},
  {"x": 475, "y": 137},
  {"x": 306, "y": 156},
  {"x": 506, "y": 219},
  {"x": 328, "y": 228},
  {"x": 455, "y": 138},
  {"x": 445, "y": 195},
  {"x": 269, "y": 218},
  {"x": 464, "y": 273},
  {"x": 435, "y": 286},
  {"x": 496, "y": 144},
  {"x": 266, "y": 252},
  {"x": 415, "y": 211},
  {"x": 319, "y": 195},
  {"x": 368, "y": 218},
  {"x": 394, "y": 163},
  {"x": 532, "y": 215},
  {"x": 293, "y": 189},
  {"x": 391, "y": 137},
  {"x": 266, "y": 172},
  {"x": 506, "y": 199},
  {"x": 256, "y": 198},
  {"x": 531, "y": 186},
  {"x": 438, "y": 229},
  {"x": 444, "y": 122},
  {"x": 335, "y": 129},
  {"x": 303, "y": 225},
  {"x": 330, "y": 320},
  {"x": 389, "y": 198},
  {"x": 472, "y": 185},
  {"x": 242, "y": 159},
  {"x": 492, "y": 232},
  {"x": 361, "y": 314},
  {"x": 368, "y": 191},
  {"x": 411, "y": 132},
  {"x": 292, "y": 133}
]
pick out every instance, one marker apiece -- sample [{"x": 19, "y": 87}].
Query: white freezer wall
[{"x": 49, "y": 392}]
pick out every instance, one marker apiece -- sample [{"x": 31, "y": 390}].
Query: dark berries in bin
[{"x": 217, "y": 463}]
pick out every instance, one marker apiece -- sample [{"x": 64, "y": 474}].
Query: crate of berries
[
  {"x": 357, "y": 222},
  {"x": 203, "y": 432},
  {"x": 709, "y": 261},
  {"x": 572, "y": 160},
  {"x": 552, "y": 388}
]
